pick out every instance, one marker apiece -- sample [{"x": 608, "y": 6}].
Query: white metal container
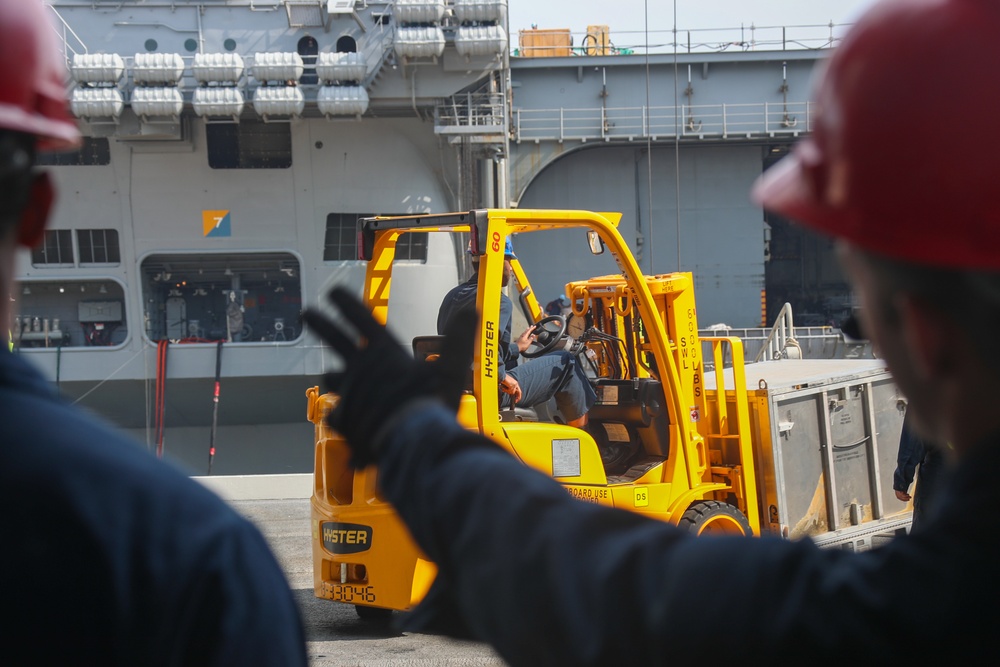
[
  {"x": 278, "y": 101},
  {"x": 157, "y": 101},
  {"x": 96, "y": 103},
  {"x": 158, "y": 69},
  {"x": 342, "y": 100},
  {"x": 489, "y": 40},
  {"x": 341, "y": 66},
  {"x": 418, "y": 11},
  {"x": 97, "y": 67},
  {"x": 218, "y": 101},
  {"x": 217, "y": 67},
  {"x": 279, "y": 66},
  {"x": 419, "y": 42},
  {"x": 825, "y": 468},
  {"x": 479, "y": 10}
]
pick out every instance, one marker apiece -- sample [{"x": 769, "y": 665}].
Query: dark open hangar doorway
[{"x": 801, "y": 268}]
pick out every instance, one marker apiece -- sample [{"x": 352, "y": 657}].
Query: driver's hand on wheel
[
  {"x": 525, "y": 340},
  {"x": 379, "y": 378}
]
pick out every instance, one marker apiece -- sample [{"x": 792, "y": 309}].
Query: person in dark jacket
[
  {"x": 529, "y": 382},
  {"x": 110, "y": 556},
  {"x": 547, "y": 579},
  {"x": 928, "y": 462}
]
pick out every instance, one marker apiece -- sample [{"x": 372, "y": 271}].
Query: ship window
[
  {"x": 347, "y": 44},
  {"x": 235, "y": 297},
  {"x": 98, "y": 246},
  {"x": 249, "y": 145},
  {"x": 94, "y": 151},
  {"x": 69, "y": 313},
  {"x": 56, "y": 249},
  {"x": 341, "y": 237},
  {"x": 412, "y": 246},
  {"x": 341, "y": 241}
]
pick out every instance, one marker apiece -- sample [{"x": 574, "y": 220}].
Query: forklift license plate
[{"x": 349, "y": 593}]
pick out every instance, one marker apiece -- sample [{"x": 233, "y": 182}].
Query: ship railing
[
  {"x": 784, "y": 340},
  {"x": 480, "y": 112},
  {"x": 379, "y": 51},
  {"x": 702, "y": 40},
  {"x": 814, "y": 342},
  {"x": 698, "y": 121},
  {"x": 72, "y": 42},
  {"x": 780, "y": 342}
]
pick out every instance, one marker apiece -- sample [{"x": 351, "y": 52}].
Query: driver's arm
[{"x": 510, "y": 350}]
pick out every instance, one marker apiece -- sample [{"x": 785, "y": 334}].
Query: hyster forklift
[{"x": 660, "y": 441}]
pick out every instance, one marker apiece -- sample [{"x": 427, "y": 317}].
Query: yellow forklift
[{"x": 664, "y": 438}]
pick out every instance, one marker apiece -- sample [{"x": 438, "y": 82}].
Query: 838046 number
[{"x": 351, "y": 594}]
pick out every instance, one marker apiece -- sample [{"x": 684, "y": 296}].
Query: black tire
[
  {"x": 712, "y": 517},
  {"x": 373, "y": 614}
]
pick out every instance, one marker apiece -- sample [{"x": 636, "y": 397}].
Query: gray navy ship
[{"x": 231, "y": 146}]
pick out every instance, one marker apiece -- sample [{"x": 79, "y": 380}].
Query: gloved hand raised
[{"x": 379, "y": 378}]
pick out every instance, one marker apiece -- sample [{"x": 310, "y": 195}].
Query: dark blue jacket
[
  {"x": 111, "y": 557},
  {"x": 549, "y": 580},
  {"x": 463, "y": 297},
  {"x": 914, "y": 452}
]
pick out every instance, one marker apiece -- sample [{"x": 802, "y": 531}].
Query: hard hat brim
[
  {"x": 786, "y": 190},
  {"x": 52, "y": 134},
  {"x": 782, "y": 189}
]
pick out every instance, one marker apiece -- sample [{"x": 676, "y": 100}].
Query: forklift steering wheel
[{"x": 547, "y": 336}]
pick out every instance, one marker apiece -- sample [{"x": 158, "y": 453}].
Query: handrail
[
  {"x": 626, "y": 123},
  {"x": 781, "y": 339},
  {"x": 472, "y": 109},
  {"x": 67, "y": 29},
  {"x": 750, "y": 37}
]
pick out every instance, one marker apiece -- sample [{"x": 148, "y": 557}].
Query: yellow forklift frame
[{"x": 695, "y": 466}]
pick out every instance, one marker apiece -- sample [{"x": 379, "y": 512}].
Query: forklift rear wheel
[
  {"x": 373, "y": 614},
  {"x": 712, "y": 517}
]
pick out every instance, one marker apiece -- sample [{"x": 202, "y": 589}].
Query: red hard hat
[
  {"x": 33, "y": 87},
  {"x": 904, "y": 156}
]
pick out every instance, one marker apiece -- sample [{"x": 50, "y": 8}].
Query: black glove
[{"x": 379, "y": 378}]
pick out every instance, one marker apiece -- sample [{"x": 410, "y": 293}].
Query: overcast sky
[{"x": 627, "y": 19}]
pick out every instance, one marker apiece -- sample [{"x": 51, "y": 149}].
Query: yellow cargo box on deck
[
  {"x": 546, "y": 43},
  {"x": 598, "y": 41}
]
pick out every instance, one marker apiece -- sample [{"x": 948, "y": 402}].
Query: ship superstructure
[{"x": 231, "y": 146}]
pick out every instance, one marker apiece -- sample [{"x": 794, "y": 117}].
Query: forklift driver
[{"x": 528, "y": 383}]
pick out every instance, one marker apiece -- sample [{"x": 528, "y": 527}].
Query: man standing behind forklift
[
  {"x": 913, "y": 207},
  {"x": 533, "y": 382}
]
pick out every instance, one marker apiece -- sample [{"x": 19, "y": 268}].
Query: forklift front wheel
[{"x": 712, "y": 517}]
